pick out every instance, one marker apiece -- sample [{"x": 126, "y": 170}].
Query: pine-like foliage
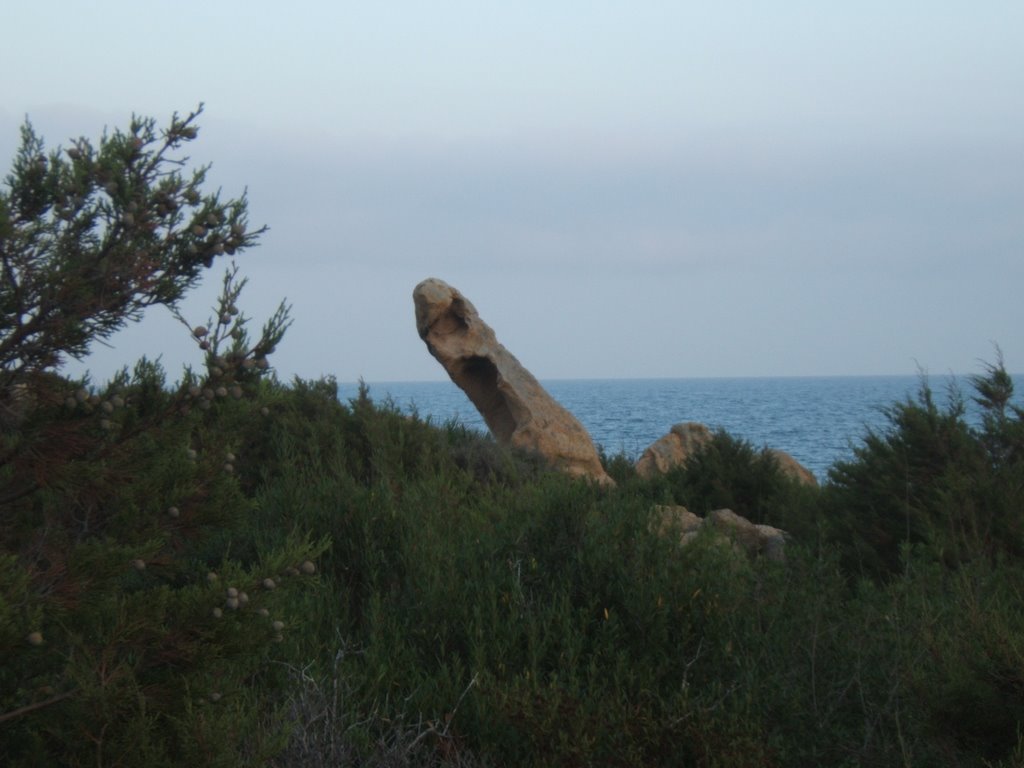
[
  {"x": 127, "y": 637},
  {"x": 935, "y": 478}
]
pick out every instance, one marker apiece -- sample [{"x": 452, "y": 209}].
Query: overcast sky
[{"x": 623, "y": 189}]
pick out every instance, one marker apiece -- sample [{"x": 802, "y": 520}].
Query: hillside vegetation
[{"x": 233, "y": 570}]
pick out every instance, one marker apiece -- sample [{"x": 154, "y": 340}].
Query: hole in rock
[{"x": 479, "y": 380}]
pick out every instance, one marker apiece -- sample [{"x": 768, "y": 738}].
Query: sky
[{"x": 622, "y": 189}]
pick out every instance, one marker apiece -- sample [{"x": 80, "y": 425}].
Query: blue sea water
[{"x": 817, "y": 420}]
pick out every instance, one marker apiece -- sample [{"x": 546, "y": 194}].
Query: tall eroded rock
[{"x": 515, "y": 406}]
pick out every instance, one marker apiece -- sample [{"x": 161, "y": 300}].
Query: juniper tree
[
  {"x": 91, "y": 237},
  {"x": 119, "y": 611}
]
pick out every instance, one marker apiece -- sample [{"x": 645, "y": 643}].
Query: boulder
[
  {"x": 672, "y": 517},
  {"x": 792, "y": 468},
  {"x": 684, "y": 440},
  {"x": 516, "y": 408},
  {"x": 674, "y": 449},
  {"x": 745, "y": 536},
  {"x": 752, "y": 538}
]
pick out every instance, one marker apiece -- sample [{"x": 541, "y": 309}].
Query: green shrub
[
  {"x": 126, "y": 637},
  {"x": 729, "y": 473},
  {"x": 968, "y": 631},
  {"x": 545, "y": 623},
  {"x": 933, "y": 479}
]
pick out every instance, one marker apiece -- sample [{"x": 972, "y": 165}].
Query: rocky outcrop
[
  {"x": 792, "y": 468},
  {"x": 685, "y": 440},
  {"x": 755, "y": 540},
  {"x": 668, "y": 518},
  {"x": 516, "y": 407},
  {"x": 674, "y": 449}
]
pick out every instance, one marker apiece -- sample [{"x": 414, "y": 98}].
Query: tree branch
[{"x": 33, "y": 707}]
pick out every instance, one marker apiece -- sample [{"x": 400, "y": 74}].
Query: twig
[
  {"x": 32, "y": 707},
  {"x": 443, "y": 733}
]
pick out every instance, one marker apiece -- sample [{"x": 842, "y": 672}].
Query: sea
[{"x": 817, "y": 420}]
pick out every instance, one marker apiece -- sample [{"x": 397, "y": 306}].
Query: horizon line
[{"x": 708, "y": 377}]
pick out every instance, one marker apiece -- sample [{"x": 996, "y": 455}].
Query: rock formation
[
  {"x": 793, "y": 468},
  {"x": 684, "y": 440},
  {"x": 517, "y": 409},
  {"x": 674, "y": 449},
  {"x": 668, "y": 518},
  {"x": 754, "y": 540}
]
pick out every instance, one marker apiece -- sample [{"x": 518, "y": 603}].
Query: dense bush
[
  {"x": 540, "y": 621},
  {"x": 545, "y": 623},
  {"x": 935, "y": 480},
  {"x": 126, "y": 636}
]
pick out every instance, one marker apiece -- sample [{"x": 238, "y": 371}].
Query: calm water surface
[{"x": 815, "y": 419}]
